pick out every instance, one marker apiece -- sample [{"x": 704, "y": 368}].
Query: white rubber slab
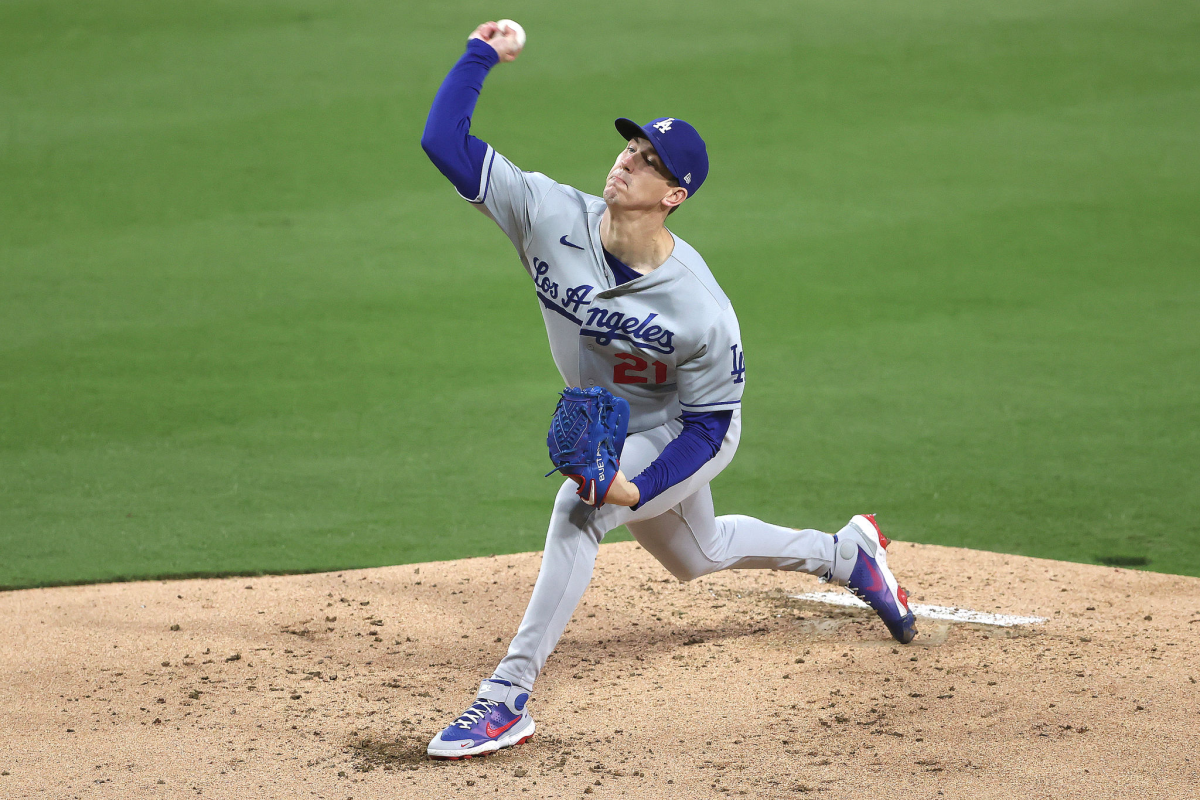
[{"x": 930, "y": 612}]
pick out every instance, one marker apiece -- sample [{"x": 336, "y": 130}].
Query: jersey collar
[{"x": 665, "y": 273}]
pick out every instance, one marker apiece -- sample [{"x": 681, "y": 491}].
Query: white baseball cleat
[
  {"x": 498, "y": 718},
  {"x": 860, "y": 564}
]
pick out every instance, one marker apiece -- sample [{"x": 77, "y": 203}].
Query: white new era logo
[
  {"x": 687, "y": 178},
  {"x": 664, "y": 125}
]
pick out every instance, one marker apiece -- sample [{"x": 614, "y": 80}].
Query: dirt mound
[{"x": 331, "y": 685}]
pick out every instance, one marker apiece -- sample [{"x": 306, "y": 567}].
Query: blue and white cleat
[
  {"x": 860, "y": 564},
  {"x": 498, "y": 718}
]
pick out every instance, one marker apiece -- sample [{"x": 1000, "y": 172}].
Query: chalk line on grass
[{"x": 931, "y": 612}]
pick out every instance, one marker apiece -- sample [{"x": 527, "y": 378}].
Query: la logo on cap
[{"x": 664, "y": 125}]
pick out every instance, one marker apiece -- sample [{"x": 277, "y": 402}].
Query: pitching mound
[{"x": 331, "y": 685}]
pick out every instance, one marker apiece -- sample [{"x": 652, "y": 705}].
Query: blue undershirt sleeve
[
  {"x": 698, "y": 442},
  {"x": 447, "y": 139}
]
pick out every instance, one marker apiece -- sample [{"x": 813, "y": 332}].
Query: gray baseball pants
[{"x": 679, "y": 528}]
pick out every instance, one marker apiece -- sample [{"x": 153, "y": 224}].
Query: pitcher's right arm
[{"x": 480, "y": 174}]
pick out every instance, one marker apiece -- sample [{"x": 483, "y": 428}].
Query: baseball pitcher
[{"x": 646, "y": 342}]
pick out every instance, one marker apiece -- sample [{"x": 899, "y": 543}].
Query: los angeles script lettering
[
  {"x": 603, "y": 325},
  {"x": 573, "y": 296},
  {"x": 630, "y": 328}
]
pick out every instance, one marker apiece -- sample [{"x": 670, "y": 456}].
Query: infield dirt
[{"x": 330, "y": 685}]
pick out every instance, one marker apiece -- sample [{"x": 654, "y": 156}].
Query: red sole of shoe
[{"x": 479, "y": 755}]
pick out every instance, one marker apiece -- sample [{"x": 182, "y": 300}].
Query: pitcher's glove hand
[{"x": 587, "y": 434}]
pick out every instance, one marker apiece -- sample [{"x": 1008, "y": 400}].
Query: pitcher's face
[{"x": 639, "y": 180}]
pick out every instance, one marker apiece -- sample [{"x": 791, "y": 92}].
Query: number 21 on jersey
[{"x": 630, "y": 371}]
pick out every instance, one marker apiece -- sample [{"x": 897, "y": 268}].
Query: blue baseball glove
[{"x": 587, "y": 434}]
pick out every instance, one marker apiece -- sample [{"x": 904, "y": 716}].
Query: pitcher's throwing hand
[{"x": 507, "y": 42}]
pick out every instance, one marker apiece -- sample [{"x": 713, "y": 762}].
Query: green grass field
[{"x": 246, "y": 326}]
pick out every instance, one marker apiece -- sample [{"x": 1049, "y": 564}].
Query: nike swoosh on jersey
[
  {"x": 563, "y": 240},
  {"x": 492, "y": 733}
]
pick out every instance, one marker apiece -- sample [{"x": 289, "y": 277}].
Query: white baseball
[{"x": 510, "y": 27}]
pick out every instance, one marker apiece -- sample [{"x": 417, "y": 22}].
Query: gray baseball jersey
[{"x": 667, "y": 342}]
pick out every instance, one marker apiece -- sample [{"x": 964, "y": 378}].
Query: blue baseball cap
[{"x": 680, "y": 147}]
